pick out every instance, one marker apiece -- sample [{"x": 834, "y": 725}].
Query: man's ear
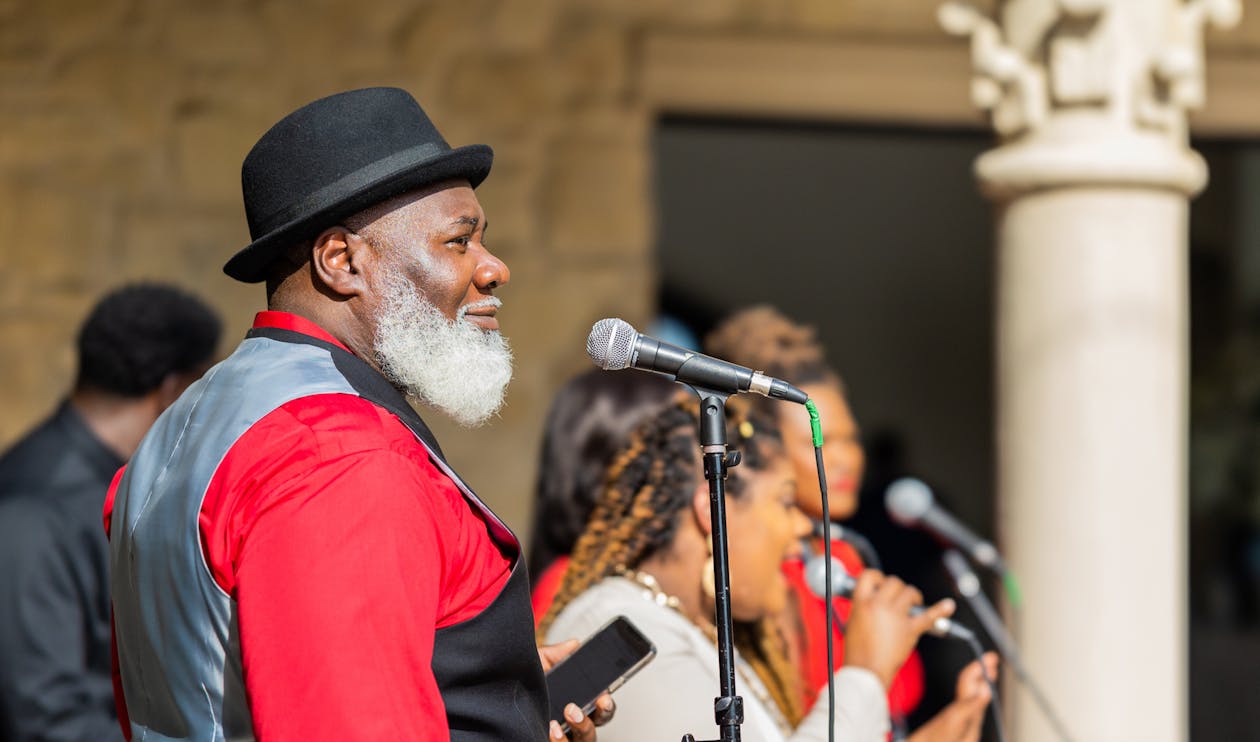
[
  {"x": 169, "y": 390},
  {"x": 338, "y": 257},
  {"x": 700, "y": 509}
]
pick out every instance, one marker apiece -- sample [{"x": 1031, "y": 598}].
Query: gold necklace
[{"x": 658, "y": 595}]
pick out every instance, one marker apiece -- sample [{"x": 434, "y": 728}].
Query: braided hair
[{"x": 648, "y": 485}]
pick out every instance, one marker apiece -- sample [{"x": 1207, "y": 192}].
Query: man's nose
[{"x": 491, "y": 272}]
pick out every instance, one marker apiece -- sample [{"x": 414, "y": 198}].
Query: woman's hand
[
  {"x": 963, "y": 719},
  {"x": 581, "y": 726},
  {"x": 881, "y": 633}
]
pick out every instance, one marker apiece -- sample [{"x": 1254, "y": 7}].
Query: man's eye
[{"x": 461, "y": 241}]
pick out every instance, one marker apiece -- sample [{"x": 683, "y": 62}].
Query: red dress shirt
[{"x": 345, "y": 549}]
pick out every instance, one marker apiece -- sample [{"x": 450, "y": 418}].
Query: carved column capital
[{"x": 1089, "y": 91}]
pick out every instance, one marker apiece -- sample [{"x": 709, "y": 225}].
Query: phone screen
[{"x": 603, "y": 663}]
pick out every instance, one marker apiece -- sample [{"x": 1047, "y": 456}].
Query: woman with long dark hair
[{"x": 588, "y": 421}]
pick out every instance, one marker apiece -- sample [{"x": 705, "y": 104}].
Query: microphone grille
[
  {"x": 611, "y": 343},
  {"x": 908, "y": 500},
  {"x": 816, "y": 577},
  {"x": 964, "y": 578},
  {"x": 955, "y": 564}
]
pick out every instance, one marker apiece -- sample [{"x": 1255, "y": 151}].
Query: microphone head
[
  {"x": 965, "y": 579},
  {"x": 816, "y": 577},
  {"x": 611, "y": 344},
  {"x": 955, "y": 563},
  {"x": 908, "y": 500}
]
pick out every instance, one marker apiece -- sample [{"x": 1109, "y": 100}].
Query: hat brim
[{"x": 471, "y": 163}]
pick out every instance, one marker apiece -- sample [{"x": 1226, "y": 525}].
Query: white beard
[{"x": 456, "y": 366}]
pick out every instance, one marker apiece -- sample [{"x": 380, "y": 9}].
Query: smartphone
[{"x": 603, "y": 663}]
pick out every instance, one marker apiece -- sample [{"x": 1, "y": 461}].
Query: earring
[{"x": 706, "y": 574}]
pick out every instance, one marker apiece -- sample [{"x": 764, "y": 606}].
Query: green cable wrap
[
  {"x": 1012, "y": 589},
  {"x": 815, "y": 423}
]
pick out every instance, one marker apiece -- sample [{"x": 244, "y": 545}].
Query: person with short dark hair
[{"x": 138, "y": 349}]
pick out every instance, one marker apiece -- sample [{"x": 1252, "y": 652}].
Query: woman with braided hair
[
  {"x": 645, "y": 553},
  {"x": 761, "y": 337}
]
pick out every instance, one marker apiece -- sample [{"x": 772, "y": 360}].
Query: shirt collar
[
  {"x": 296, "y": 323},
  {"x": 101, "y": 457}
]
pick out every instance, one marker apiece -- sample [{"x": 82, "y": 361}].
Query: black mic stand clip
[{"x": 728, "y": 708}]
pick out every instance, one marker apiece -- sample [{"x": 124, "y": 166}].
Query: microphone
[
  {"x": 967, "y": 585},
  {"x": 910, "y": 503},
  {"x": 614, "y": 344},
  {"x": 842, "y": 586}
]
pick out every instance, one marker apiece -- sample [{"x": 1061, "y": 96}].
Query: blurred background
[{"x": 652, "y": 157}]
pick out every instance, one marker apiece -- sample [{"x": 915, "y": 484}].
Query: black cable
[
  {"x": 967, "y": 585},
  {"x": 994, "y": 705},
  {"x": 831, "y": 675}
]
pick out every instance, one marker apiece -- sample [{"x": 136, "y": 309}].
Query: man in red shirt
[{"x": 291, "y": 556}]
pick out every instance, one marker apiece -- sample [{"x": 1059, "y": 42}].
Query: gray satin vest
[{"x": 176, "y": 630}]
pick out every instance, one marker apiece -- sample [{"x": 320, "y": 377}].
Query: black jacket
[{"x": 55, "y": 681}]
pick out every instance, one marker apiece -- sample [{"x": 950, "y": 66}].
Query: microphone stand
[
  {"x": 967, "y": 584},
  {"x": 728, "y": 708}
]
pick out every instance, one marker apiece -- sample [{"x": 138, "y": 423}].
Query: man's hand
[
  {"x": 581, "y": 727},
  {"x": 881, "y": 632}
]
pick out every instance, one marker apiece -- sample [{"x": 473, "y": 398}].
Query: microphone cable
[
  {"x": 815, "y": 426},
  {"x": 967, "y": 585},
  {"x": 994, "y": 705}
]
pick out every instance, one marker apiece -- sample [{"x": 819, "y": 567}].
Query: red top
[
  {"x": 345, "y": 549},
  {"x": 544, "y": 591},
  {"x": 907, "y": 686}
]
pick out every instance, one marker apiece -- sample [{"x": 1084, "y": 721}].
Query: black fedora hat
[{"x": 335, "y": 157}]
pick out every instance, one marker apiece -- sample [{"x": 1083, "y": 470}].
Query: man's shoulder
[
  {"x": 28, "y": 519},
  {"x": 342, "y": 415},
  {"x": 26, "y": 463},
  {"x": 47, "y": 465},
  {"x": 333, "y": 425}
]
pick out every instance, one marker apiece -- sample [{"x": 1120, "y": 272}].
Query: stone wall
[{"x": 124, "y": 123}]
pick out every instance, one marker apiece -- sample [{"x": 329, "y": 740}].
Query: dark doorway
[{"x": 877, "y": 237}]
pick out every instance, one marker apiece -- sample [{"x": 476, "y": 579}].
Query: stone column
[{"x": 1091, "y": 182}]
